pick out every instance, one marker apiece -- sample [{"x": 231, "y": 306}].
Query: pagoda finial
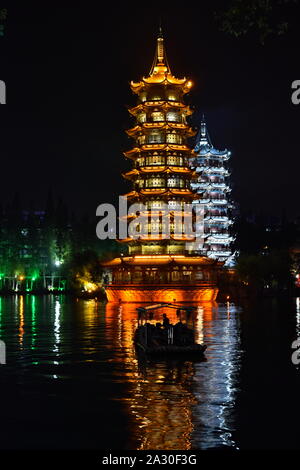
[
  {"x": 160, "y": 32},
  {"x": 203, "y": 126},
  {"x": 202, "y": 138},
  {"x": 160, "y": 63}
]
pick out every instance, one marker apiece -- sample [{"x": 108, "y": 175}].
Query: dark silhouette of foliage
[{"x": 263, "y": 18}]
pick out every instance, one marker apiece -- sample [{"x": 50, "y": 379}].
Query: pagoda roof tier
[
  {"x": 186, "y": 193},
  {"x": 161, "y": 125},
  {"x": 204, "y": 147},
  {"x": 211, "y": 170},
  {"x": 160, "y": 72},
  {"x": 161, "y": 77},
  {"x": 163, "y": 105},
  {"x": 162, "y": 260},
  {"x": 212, "y": 154},
  {"x": 159, "y": 169},
  {"x": 164, "y": 147}
]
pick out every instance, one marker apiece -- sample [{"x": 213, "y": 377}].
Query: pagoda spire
[
  {"x": 202, "y": 138},
  {"x": 160, "y": 33},
  {"x": 160, "y": 63}
]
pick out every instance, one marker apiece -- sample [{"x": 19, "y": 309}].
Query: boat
[{"x": 162, "y": 338}]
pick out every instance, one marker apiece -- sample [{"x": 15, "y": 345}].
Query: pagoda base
[{"x": 161, "y": 293}]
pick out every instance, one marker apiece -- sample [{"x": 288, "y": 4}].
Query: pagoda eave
[
  {"x": 160, "y": 260},
  {"x": 161, "y": 125},
  {"x": 163, "y": 147},
  {"x": 164, "y": 170},
  {"x": 160, "y": 104},
  {"x": 161, "y": 79}
]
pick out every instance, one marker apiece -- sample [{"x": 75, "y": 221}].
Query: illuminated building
[
  {"x": 213, "y": 189},
  {"x": 158, "y": 267}
]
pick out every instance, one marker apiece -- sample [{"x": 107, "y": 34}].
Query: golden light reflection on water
[
  {"x": 165, "y": 395},
  {"x": 89, "y": 312},
  {"x": 21, "y": 322},
  {"x": 160, "y": 400},
  {"x": 171, "y": 405}
]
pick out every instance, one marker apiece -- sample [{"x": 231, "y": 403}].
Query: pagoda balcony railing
[
  {"x": 147, "y": 281},
  {"x": 156, "y": 165},
  {"x": 216, "y": 218},
  {"x": 208, "y": 156},
  {"x": 159, "y": 102},
  {"x": 211, "y": 169},
  {"x": 223, "y": 186},
  {"x": 213, "y": 253},
  {"x": 220, "y": 234},
  {"x": 211, "y": 201},
  {"x": 208, "y": 185},
  {"x": 219, "y": 201},
  {"x": 163, "y": 141},
  {"x": 217, "y": 253},
  {"x": 160, "y": 121},
  {"x": 203, "y": 201},
  {"x": 165, "y": 187}
]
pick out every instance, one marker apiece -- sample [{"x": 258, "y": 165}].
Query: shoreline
[{"x": 230, "y": 293}]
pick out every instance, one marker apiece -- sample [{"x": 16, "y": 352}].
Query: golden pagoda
[{"x": 160, "y": 268}]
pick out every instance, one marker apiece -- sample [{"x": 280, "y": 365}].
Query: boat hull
[{"x": 172, "y": 350}]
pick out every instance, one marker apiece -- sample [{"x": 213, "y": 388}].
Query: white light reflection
[
  {"x": 216, "y": 381},
  {"x": 298, "y": 316},
  {"x": 57, "y": 313},
  {"x": 230, "y": 366}
]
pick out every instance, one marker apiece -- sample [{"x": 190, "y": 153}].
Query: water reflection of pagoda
[
  {"x": 179, "y": 404},
  {"x": 161, "y": 268}
]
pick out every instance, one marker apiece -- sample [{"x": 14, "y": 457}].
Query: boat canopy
[{"x": 147, "y": 311}]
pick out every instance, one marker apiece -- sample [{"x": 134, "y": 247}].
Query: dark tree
[{"x": 261, "y": 18}]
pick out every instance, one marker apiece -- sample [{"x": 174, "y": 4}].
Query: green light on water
[
  {"x": 33, "y": 321},
  {"x": 33, "y": 306}
]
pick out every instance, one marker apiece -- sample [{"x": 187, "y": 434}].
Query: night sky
[{"x": 67, "y": 72}]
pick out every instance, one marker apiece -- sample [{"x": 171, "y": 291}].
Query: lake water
[{"x": 73, "y": 381}]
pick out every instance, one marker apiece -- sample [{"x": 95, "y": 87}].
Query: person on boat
[
  {"x": 166, "y": 321},
  {"x": 182, "y": 335},
  {"x": 157, "y": 337},
  {"x": 178, "y": 330}
]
